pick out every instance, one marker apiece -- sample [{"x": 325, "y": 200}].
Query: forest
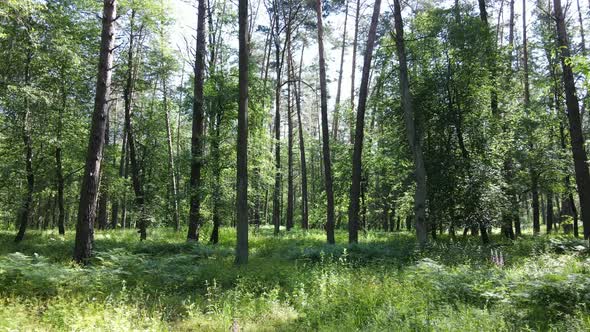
[{"x": 294, "y": 165}]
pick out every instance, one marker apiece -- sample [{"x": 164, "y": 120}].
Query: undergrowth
[{"x": 294, "y": 282}]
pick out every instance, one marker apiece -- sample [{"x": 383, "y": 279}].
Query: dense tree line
[{"x": 466, "y": 117}]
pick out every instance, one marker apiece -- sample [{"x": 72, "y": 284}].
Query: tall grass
[{"x": 294, "y": 282}]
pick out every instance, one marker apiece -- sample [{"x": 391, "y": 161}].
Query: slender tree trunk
[
  {"x": 304, "y": 194},
  {"x": 58, "y": 166},
  {"x": 576, "y": 136},
  {"x": 171, "y": 168},
  {"x": 122, "y": 174},
  {"x": 355, "y": 188},
  {"x": 290, "y": 191},
  {"x": 24, "y": 213},
  {"x": 581, "y": 22},
  {"x": 104, "y": 183},
  {"x": 214, "y": 239},
  {"x": 276, "y": 202},
  {"x": 242, "y": 143},
  {"x": 133, "y": 161},
  {"x": 197, "y": 129},
  {"x": 549, "y": 212},
  {"x": 357, "y": 19},
  {"x": 413, "y": 134},
  {"x": 533, "y": 174},
  {"x": 340, "y": 72},
  {"x": 325, "y": 130},
  {"x": 90, "y": 180}
]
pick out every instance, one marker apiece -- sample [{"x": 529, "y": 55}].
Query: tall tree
[
  {"x": 242, "y": 143},
  {"x": 290, "y": 190},
  {"x": 276, "y": 201},
  {"x": 194, "y": 225},
  {"x": 355, "y": 188},
  {"x": 103, "y": 199},
  {"x": 304, "y": 192},
  {"x": 414, "y": 137},
  {"x": 357, "y": 18},
  {"x": 171, "y": 169},
  {"x": 575, "y": 123},
  {"x": 325, "y": 130},
  {"x": 532, "y": 171},
  {"x": 90, "y": 179},
  {"x": 336, "y": 119},
  {"x": 128, "y": 97},
  {"x": 25, "y": 210}
]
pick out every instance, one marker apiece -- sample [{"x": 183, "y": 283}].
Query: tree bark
[
  {"x": 290, "y": 192},
  {"x": 276, "y": 202},
  {"x": 549, "y": 212},
  {"x": 90, "y": 181},
  {"x": 242, "y": 143},
  {"x": 133, "y": 161},
  {"x": 304, "y": 194},
  {"x": 59, "y": 177},
  {"x": 325, "y": 130},
  {"x": 122, "y": 174},
  {"x": 103, "y": 189},
  {"x": 197, "y": 129},
  {"x": 340, "y": 72},
  {"x": 355, "y": 188},
  {"x": 171, "y": 168},
  {"x": 533, "y": 174},
  {"x": 24, "y": 213},
  {"x": 575, "y": 123},
  {"x": 414, "y": 138},
  {"x": 353, "y": 73}
]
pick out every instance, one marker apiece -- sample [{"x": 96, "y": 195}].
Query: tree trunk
[
  {"x": 58, "y": 167},
  {"x": 304, "y": 194},
  {"x": 355, "y": 188},
  {"x": 549, "y": 212},
  {"x": 576, "y": 136},
  {"x": 581, "y": 22},
  {"x": 414, "y": 139},
  {"x": 533, "y": 174},
  {"x": 325, "y": 130},
  {"x": 197, "y": 129},
  {"x": 133, "y": 161},
  {"x": 24, "y": 213},
  {"x": 290, "y": 193},
  {"x": 276, "y": 201},
  {"x": 340, "y": 72},
  {"x": 117, "y": 201},
  {"x": 242, "y": 143},
  {"x": 353, "y": 73},
  {"x": 90, "y": 180},
  {"x": 171, "y": 168},
  {"x": 104, "y": 185}
]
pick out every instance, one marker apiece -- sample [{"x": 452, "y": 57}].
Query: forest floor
[{"x": 294, "y": 282}]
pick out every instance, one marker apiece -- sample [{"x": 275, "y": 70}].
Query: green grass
[{"x": 294, "y": 282}]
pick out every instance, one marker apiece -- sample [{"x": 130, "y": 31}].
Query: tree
[
  {"x": 128, "y": 94},
  {"x": 533, "y": 172},
  {"x": 329, "y": 226},
  {"x": 304, "y": 190},
  {"x": 340, "y": 72},
  {"x": 90, "y": 180},
  {"x": 197, "y": 129},
  {"x": 414, "y": 137},
  {"x": 355, "y": 188},
  {"x": 242, "y": 143},
  {"x": 582, "y": 174}
]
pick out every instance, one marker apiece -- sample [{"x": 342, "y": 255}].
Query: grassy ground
[{"x": 294, "y": 283}]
